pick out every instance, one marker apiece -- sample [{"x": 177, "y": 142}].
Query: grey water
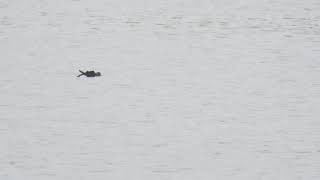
[{"x": 205, "y": 89}]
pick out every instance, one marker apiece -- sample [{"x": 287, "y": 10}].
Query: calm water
[{"x": 190, "y": 90}]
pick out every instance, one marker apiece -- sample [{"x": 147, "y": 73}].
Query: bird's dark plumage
[{"x": 89, "y": 73}]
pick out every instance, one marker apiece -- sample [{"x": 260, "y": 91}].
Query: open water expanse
[{"x": 190, "y": 90}]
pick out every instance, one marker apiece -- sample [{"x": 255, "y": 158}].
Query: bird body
[{"x": 89, "y": 73}]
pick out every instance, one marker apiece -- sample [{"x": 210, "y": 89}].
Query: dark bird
[{"x": 89, "y": 73}]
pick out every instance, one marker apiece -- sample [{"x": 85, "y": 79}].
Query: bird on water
[{"x": 89, "y": 73}]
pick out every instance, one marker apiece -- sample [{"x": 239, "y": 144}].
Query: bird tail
[{"x": 82, "y": 73}]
